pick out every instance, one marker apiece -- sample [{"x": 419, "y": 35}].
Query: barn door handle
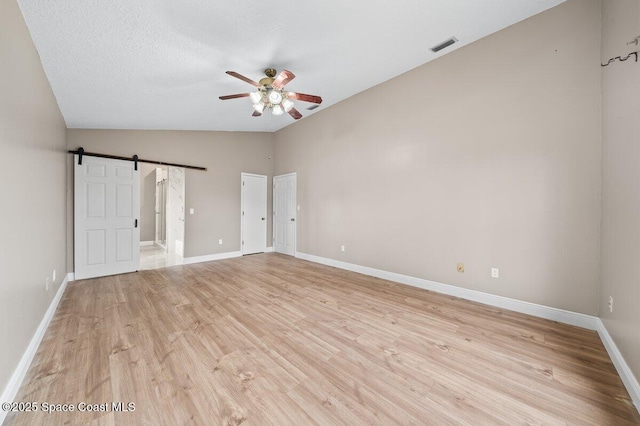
[{"x": 136, "y": 225}]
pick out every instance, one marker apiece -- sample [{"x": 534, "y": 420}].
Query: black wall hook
[{"x": 621, "y": 59}]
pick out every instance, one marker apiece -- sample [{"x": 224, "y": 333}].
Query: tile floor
[{"x": 153, "y": 257}]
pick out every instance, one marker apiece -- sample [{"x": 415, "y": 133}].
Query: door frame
[
  {"x": 242, "y": 176},
  {"x": 295, "y": 212}
]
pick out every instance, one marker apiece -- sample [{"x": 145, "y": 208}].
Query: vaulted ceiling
[{"x": 143, "y": 64}]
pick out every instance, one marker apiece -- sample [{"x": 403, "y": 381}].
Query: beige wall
[
  {"x": 488, "y": 156},
  {"x": 32, "y": 153},
  {"x": 620, "y": 277},
  {"x": 214, "y": 194}
]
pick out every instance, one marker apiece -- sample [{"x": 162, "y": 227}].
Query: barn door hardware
[{"x": 80, "y": 152}]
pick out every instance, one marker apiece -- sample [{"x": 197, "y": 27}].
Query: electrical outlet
[
  {"x": 192, "y": 211},
  {"x": 47, "y": 282},
  {"x": 495, "y": 273},
  {"x": 610, "y": 303},
  {"x": 460, "y": 267},
  {"x": 53, "y": 276},
  {"x": 220, "y": 241},
  {"x": 341, "y": 248}
]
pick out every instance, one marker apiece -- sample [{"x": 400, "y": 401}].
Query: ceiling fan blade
[
  {"x": 282, "y": 79},
  {"x": 243, "y": 78},
  {"x": 304, "y": 97},
  {"x": 295, "y": 114},
  {"x": 239, "y": 95},
  {"x": 256, "y": 114}
]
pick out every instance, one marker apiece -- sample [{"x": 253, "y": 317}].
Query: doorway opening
[{"x": 162, "y": 214}]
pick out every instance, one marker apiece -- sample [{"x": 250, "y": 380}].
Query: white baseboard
[
  {"x": 269, "y": 250},
  {"x": 210, "y": 257},
  {"x": 541, "y": 311},
  {"x": 11, "y": 390},
  {"x": 71, "y": 276},
  {"x": 629, "y": 380},
  {"x": 146, "y": 243}
]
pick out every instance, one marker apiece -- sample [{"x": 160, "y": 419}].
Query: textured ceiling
[{"x": 142, "y": 64}]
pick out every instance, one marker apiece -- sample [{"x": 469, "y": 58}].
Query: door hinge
[
  {"x": 242, "y": 213},
  {"x": 243, "y": 243},
  {"x": 242, "y": 183}
]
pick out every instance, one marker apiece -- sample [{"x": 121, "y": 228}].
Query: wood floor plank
[{"x": 270, "y": 339}]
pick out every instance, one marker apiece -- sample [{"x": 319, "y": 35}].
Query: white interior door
[
  {"x": 284, "y": 214},
  {"x": 107, "y": 205},
  {"x": 254, "y": 213}
]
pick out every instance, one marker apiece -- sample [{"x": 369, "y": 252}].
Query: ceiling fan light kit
[
  {"x": 258, "y": 107},
  {"x": 256, "y": 97},
  {"x": 275, "y": 97},
  {"x": 270, "y": 94},
  {"x": 286, "y": 104}
]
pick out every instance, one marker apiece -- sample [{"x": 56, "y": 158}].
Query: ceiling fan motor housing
[{"x": 270, "y": 77}]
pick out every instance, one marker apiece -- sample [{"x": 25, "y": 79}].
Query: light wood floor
[{"x": 268, "y": 339}]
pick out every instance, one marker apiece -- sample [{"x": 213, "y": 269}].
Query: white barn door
[
  {"x": 254, "y": 213},
  {"x": 284, "y": 214},
  {"x": 106, "y": 207}
]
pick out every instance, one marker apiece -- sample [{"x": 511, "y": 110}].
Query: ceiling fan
[{"x": 271, "y": 94}]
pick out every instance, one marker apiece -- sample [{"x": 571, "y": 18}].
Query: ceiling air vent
[
  {"x": 444, "y": 45},
  {"x": 312, "y": 107}
]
